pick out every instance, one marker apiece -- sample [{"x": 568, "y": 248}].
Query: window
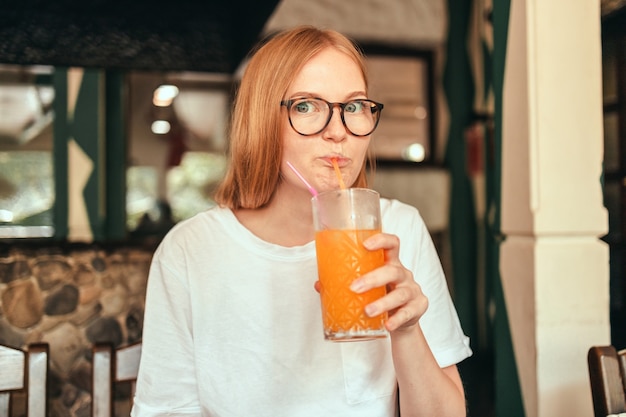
[
  {"x": 176, "y": 147},
  {"x": 27, "y": 189}
]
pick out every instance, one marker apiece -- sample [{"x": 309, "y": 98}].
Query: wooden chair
[
  {"x": 24, "y": 371},
  {"x": 607, "y": 375},
  {"x": 622, "y": 365},
  {"x": 109, "y": 367}
]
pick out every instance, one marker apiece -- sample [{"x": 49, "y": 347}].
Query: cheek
[
  {"x": 362, "y": 148},
  {"x": 289, "y": 141},
  {"x": 296, "y": 148},
  {"x": 359, "y": 156}
]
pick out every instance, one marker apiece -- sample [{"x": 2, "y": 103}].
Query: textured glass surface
[{"x": 26, "y": 190}]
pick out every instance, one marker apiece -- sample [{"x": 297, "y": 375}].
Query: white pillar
[{"x": 554, "y": 268}]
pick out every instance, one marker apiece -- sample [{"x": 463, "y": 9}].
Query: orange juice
[{"x": 341, "y": 258}]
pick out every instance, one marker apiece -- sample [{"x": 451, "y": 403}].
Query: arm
[{"x": 426, "y": 389}]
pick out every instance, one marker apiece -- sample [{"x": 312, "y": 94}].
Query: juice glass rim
[{"x": 344, "y": 191}]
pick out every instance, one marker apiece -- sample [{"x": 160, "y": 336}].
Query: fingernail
[
  {"x": 357, "y": 285},
  {"x": 368, "y": 243},
  {"x": 371, "y": 310}
]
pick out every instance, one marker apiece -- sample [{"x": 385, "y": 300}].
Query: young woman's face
[{"x": 334, "y": 77}]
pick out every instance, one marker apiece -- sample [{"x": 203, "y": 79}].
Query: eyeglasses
[{"x": 309, "y": 116}]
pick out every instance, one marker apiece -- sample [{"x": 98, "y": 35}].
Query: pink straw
[{"x": 312, "y": 190}]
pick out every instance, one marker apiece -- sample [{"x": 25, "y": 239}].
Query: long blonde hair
[{"x": 255, "y": 148}]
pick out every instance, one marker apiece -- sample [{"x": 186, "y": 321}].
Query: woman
[{"x": 233, "y": 323}]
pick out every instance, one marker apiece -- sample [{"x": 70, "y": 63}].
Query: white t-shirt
[{"x": 233, "y": 326}]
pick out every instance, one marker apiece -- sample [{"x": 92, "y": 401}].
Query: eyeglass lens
[{"x": 309, "y": 116}]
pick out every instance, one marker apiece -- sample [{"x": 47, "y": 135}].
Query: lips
[{"x": 341, "y": 160}]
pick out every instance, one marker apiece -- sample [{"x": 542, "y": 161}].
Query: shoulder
[
  {"x": 389, "y": 205},
  {"x": 200, "y": 222},
  {"x": 194, "y": 233},
  {"x": 397, "y": 216},
  {"x": 406, "y": 222}
]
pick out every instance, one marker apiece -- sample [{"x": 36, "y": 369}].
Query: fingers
[
  {"x": 405, "y": 302},
  {"x": 407, "y": 315},
  {"x": 392, "y": 301},
  {"x": 390, "y": 243},
  {"x": 389, "y": 275}
]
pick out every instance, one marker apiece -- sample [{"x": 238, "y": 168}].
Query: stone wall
[{"x": 72, "y": 296}]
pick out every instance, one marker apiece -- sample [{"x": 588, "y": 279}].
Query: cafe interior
[{"x": 503, "y": 124}]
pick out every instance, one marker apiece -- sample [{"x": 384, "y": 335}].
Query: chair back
[
  {"x": 621, "y": 355},
  {"x": 607, "y": 375},
  {"x": 109, "y": 367},
  {"x": 24, "y": 371}
]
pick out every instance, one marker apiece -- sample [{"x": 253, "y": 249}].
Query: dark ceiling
[{"x": 192, "y": 35}]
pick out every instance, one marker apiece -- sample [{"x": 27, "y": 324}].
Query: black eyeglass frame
[{"x": 378, "y": 107}]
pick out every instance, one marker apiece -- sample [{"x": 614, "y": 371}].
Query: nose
[{"x": 335, "y": 130}]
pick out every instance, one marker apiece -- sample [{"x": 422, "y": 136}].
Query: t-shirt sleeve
[
  {"x": 166, "y": 383},
  {"x": 440, "y": 323}
]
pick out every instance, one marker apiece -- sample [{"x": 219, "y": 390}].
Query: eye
[
  {"x": 355, "y": 106},
  {"x": 305, "y": 106}
]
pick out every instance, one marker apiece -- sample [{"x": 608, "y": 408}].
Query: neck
[{"x": 287, "y": 220}]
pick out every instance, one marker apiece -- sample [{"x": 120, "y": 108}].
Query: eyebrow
[{"x": 303, "y": 94}]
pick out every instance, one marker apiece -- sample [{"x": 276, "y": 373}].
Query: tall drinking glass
[{"x": 343, "y": 219}]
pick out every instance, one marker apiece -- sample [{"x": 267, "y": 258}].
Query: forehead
[{"x": 328, "y": 74}]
